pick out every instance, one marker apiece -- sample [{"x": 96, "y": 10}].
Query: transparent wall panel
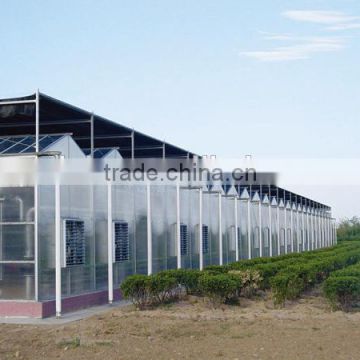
[
  {"x": 213, "y": 222},
  {"x": 17, "y": 243},
  {"x": 314, "y": 237},
  {"x": 194, "y": 229},
  {"x": 185, "y": 225},
  {"x": 101, "y": 237},
  {"x": 228, "y": 228},
  {"x": 295, "y": 230},
  {"x": 210, "y": 219},
  {"x": 306, "y": 234},
  {"x": 17, "y": 281},
  {"x": 170, "y": 219},
  {"x": 244, "y": 231},
  {"x": 158, "y": 227},
  {"x": 17, "y": 204},
  {"x": 282, "y": 227},
  {"x": 46, "y": 242},
  {"x": 255, "y": 229},
  {"x": 123, "y": 211},
  {"x": 300, "y": 229},
  {"x": 76, "y": 203},
  {"x": 189, "y": 217},
  {"x": 274, "y": 230},
  {"x": 140, "y": 228},
  {"x": 288, "y": 230},
  {"x": 265, "y": 228},
  {"x": 163, "y": 227},
  {"x": 231, "y": 231}
]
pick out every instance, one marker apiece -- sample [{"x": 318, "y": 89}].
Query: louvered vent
[
  {"x": 205, "y": 238},
  {"x": 75, "y": 242},
  {"x": 184, "y": 239},
  {"x": 121, "y": 241}
]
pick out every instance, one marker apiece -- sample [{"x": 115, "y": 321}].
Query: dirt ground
[{"x": 305, "y": 329}]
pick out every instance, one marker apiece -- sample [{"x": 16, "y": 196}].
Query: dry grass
[{"x": 305, "y": 329}]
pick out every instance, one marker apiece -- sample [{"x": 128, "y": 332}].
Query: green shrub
[
  {"x": 217, "y": 269},
  {"x": 292, "y": 280},
  {"x": 136, "y": 289},
  {"x": 219, "y": 288},
  {"x": 187, "y": 278},
  {"x": 250, "y": 281},
  {"x": 342, "y": 291},
  {"x": 162, "y": 287},
  {"x": 286, "y": 286}
]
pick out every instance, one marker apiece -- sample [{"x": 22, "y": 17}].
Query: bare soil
[{"x": 192, "y": 329}]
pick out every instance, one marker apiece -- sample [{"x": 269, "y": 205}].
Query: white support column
[
  {"x": 57, "y": 250},
  {"x": 220, "y": 231},
  {"x": 297, "y": 229},
  {"x": 236, "y": 229},
  {"x": 322, "y": 229},
  {"x": 270, "y": 229},
  {"x": 37, "y": 121},
  {"x": 149, "y": 229},
  {"x": 178, "y": 237},
  {"x": 292, "y": 229},
  {"x": 278, "y": 228},
  {"x": 318, "y": 232},
  {"x": 36, "y": 238},
  {"x": 307, "y": 229},
  {"x": 249, "y": 228},
  {"x": 317, "y": 244},
  {"x": 311, "y": 231},
  {"x": 110, "y": 243},
  {"x": 260, "y": 231},
  {"x": 285, "y": 237},
  {"x": 201, "y": 240}
]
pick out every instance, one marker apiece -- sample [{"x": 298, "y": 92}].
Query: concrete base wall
[{"x": 18, "y": 308}]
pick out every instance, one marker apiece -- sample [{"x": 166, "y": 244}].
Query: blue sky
[
  {"x": 232, "y": 77},
  {"x": 226, "y": 77}
]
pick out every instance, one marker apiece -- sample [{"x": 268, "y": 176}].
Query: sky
[{"x": 233, "y": 77}]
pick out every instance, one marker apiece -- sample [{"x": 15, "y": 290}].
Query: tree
[{"x": 349, "y": 229}]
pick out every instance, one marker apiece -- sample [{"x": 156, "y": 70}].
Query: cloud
[
  {"x": 320, "y": 17},
  {"x": 344, "y": 26},
  {"x": 298, "y": 51},
  {"x": 303, "y": 47}
]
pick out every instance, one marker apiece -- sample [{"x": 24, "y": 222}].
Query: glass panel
[
  {"x": 17, "y": 281},
  {"x": 265, "y": 224},
  {"x": 17, "y": 242},
  {"x": 255, "y": 230},
  {"x": 244, "y": 239},
  {"x": 288, "y": 231},
  {"x": 274, "y": 230}
]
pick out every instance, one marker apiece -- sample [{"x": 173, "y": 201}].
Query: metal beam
[
  {"x": 17, "y": 102},
  {"x": 92, "y": 135},
  {"x": 37, "y": 121}
]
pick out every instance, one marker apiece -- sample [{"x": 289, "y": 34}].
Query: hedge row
[
  {"x": 145, "y": 291},
  {"x": 342, "y": 288},
  {"x": 291, "y": 281},
  {"x": 287, "y": 275},
  {"x": 270, "y": 267}
]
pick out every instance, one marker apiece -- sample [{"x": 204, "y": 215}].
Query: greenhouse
[{"x": 68, "y": 244}]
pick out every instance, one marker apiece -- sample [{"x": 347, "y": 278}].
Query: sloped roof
[{"x": 59, "y": 117}]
